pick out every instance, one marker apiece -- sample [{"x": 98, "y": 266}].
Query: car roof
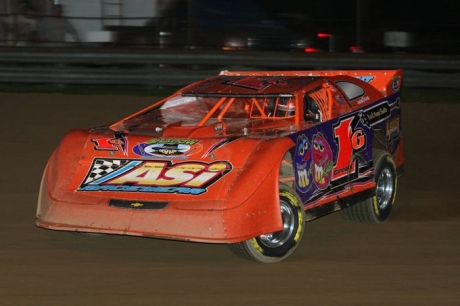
[{"x": 250, "y": 85}]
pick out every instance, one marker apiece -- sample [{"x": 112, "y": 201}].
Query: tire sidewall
[
  {"x": 289, "y": 196},
  {"x": 385, "y": 161}
]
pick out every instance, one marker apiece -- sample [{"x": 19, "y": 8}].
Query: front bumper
[{"x": 257, "y": 215}]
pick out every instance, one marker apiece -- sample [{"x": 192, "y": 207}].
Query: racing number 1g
[{"x": 349, "y": 142}]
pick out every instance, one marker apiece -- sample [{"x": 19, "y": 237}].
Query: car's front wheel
[{"x": 276, "y": 246}]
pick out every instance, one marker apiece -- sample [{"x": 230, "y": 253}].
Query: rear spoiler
[{"x": 386, "y": 81}]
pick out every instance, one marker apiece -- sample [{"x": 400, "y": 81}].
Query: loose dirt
[{"x": 413, "y": 259}]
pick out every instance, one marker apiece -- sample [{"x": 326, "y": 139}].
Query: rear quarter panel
[{"x": 333, "y": 159}]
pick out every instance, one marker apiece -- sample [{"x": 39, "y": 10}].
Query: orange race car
[{"x": 242, "y": 158}]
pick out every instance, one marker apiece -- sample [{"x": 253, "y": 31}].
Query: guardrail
[{"x": 153, "y": 67}]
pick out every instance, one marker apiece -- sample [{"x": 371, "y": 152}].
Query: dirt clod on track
[{"x": 413, "y": 259}]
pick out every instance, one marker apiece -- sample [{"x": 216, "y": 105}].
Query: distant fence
[{"x": 153, "y": 67}]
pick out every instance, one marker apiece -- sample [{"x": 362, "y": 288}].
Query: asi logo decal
[
  {"x": 167, "y": 148},
  {"x": 153, "y": 176}
]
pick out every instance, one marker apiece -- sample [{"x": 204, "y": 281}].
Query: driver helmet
[{"x": 285, "y": 108}]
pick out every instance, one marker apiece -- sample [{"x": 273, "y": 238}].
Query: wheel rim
[
  {"x": 385, "y": 188},
  {"x": 276, "y": 239}
]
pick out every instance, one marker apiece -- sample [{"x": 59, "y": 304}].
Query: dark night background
[
  {"x": 432, "y": 16},
  {"x": 433, "y": 25}
]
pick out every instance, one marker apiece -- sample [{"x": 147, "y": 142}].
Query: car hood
[{"x": 172, "y": 163}]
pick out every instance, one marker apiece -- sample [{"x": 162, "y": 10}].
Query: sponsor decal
[
  {"x": 303, "y": 163},
  {"x": 363, "y": 100},
  {"x": 167, "y": 148},
  {"x": 117, "y": 143},
  {"x": 334, "y": 156},
  {"x": 315, "y": 162},
  {"x": 365, "y": 78},
  {"x": 395, "y": 83},
  {"x": 321, "y": 161},
  {"x": 392, "y": 128},
  {"x": 376, "y": 114},
  {"x": 154, "y": 176}
]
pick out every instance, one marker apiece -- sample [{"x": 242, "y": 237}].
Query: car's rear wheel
[
  {"x": 276, "y": 246},
  {"x": 377, "y": 209}
]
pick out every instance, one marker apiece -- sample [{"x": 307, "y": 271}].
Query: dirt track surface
[{"x": 413, "y": 259}]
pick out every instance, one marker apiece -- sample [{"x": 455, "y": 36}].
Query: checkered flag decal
[{"x": 102, "y": 167}]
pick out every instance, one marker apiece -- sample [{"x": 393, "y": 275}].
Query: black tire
[
  {"x": 377, "y": 209},
  {"x": 276, "y": 246}
]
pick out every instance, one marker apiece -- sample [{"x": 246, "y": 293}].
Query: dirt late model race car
[{"x": 242, "y": 158}]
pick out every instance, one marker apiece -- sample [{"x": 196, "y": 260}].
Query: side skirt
[{"x": 320, "y": 211}]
